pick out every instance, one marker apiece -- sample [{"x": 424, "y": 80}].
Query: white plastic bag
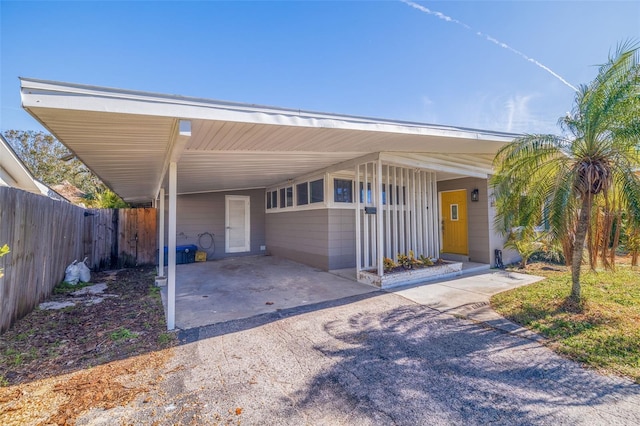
[
  {"x": 72, "y": 273},
  {"x": 84, "y": 271}
]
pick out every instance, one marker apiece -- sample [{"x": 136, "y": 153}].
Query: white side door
[{"x": 237, "y": 226}]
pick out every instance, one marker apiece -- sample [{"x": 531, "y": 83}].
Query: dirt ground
[{"x": 56, "y": 364}]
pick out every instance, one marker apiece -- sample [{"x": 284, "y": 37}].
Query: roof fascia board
[
  {"x": 47, "y": 94},
  {"x": 15, "y": 168}
]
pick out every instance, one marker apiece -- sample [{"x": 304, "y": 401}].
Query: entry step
[{"x": 454, "y": 257}]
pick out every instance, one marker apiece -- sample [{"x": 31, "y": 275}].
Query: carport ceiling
[{"x": 128, "y": 138}]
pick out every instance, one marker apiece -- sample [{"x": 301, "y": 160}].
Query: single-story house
[
  {"x": 331, "y": 191},
  {"x": 15, "y": 174}
]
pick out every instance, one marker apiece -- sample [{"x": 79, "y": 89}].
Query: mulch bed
[
  {"x": 46, "y": 343},
  {"x": 55, "y": 365}
]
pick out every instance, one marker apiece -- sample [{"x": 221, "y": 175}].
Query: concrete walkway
[{"x": 468, "y": 297}]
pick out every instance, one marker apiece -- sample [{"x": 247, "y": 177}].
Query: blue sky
[{"x": 377, "y": 59}]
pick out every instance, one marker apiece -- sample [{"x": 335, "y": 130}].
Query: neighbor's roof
[
  {"x": 128, "y": 138},
  {"x": 14, "y": 173}
]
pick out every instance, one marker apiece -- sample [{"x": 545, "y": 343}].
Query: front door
[
  {"x": 237, "y": 213},
  {"x": 454, "y": 222}
]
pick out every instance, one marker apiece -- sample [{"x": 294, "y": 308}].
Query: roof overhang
[
  {"x": 14, "y": 173},
  {"x": 128, "y": 138}
]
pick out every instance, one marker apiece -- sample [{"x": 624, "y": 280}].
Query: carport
[
  {"x": 253, "y": 285},
  {"x": 150, "y": 148}
]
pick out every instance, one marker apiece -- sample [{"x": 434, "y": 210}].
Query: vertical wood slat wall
[
  {"x": 409, "y": 213},
  {"x": 46, "y": 235}
]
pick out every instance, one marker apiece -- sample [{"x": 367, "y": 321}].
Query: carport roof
[{"x": 128, "y": 138}]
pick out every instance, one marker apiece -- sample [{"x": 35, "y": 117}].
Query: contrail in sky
[{"x": 487, "y": 37}]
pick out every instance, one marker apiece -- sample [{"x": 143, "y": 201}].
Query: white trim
[
  {"x": 51, "y": 94},
  {"x": 379, "y": 217},
  {"x": 14, "y": 173},
  {"x": 396, "y": 241},
  {"x": 435, "y": 214},
  {"x": 343, "y": 167},
  {"x": 247, "y": 223},
  {"x": 171, "y": 264},
  {"x": 387, "y": 212},
  {"x": 161, "y": 234},
  {"x": 358, "y": 225},
  {"x": 457, "y": 218}
]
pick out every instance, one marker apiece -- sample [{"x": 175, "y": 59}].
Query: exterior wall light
[{"x": 475, "y": 195}]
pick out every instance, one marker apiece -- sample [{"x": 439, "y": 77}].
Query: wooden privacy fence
[
  {"x": 46, "y": 235},
  {"x": 120, "y": 238}
]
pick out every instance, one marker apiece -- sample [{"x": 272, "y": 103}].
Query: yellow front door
[{"x": 454, "y": 222}]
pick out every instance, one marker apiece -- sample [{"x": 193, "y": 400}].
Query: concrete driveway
[
  {"x": 381, "y": 359},
  {"x": 242, "y": 287}
]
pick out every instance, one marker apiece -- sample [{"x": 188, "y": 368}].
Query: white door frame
[{"x": 247, "y": 223}]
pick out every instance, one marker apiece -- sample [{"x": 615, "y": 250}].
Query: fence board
[{"x": 45, "y": 235}]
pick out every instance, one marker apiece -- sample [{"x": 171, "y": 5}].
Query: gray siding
[
  {"x": 323, "y": 238},
  {"x": 301, "y": 236},
  {"x": 342, "y": 238},
  {"x": 199, "y": 213},
  {"x": 478, "y": 216}
]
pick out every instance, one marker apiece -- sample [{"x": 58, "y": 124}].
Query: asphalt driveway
[{"x": 378, "y": 360}]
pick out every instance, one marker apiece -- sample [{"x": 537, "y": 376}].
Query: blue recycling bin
[{"x": 184, "y": 254}]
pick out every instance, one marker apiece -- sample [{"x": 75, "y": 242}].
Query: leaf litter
[{"x": 57, "y": 364}]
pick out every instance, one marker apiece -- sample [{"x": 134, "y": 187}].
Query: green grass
[
  {"x": 122, "y": 334},
  {"x": 64, "y": 287},
  {"x": 165, "y": 338},
  {"x": 16, "y": 358},
  {"x": 603, "y": 332},
  {"x": 154, "y": 292}
]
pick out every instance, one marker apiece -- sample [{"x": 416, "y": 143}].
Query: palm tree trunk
[
  {"x": 616, "y": 238},
  {"x": 578, "y": 248}
]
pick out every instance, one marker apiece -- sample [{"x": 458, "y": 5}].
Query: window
[
  {"x": 342, "y": 191},
  {"x": 302, "y": 192},
  {"x": 290, "y": 196},
  {"x": 272, "y": 199},
  {"x": 298, "y": 195},
  {"x": 286, "y": 197},
  {"x": 317, "y": 191},
  {"x": 454, "y": 212}
]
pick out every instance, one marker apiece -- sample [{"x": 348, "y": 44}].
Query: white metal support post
[
  {"x": 356, "y": 194},
  {"x": 161, "y": 234},
  {"x": 171, "y": 293},
  {"x": 379, "y": 222}
]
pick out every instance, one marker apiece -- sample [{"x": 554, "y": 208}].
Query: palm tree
[{"x": 558, "y": 178}]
